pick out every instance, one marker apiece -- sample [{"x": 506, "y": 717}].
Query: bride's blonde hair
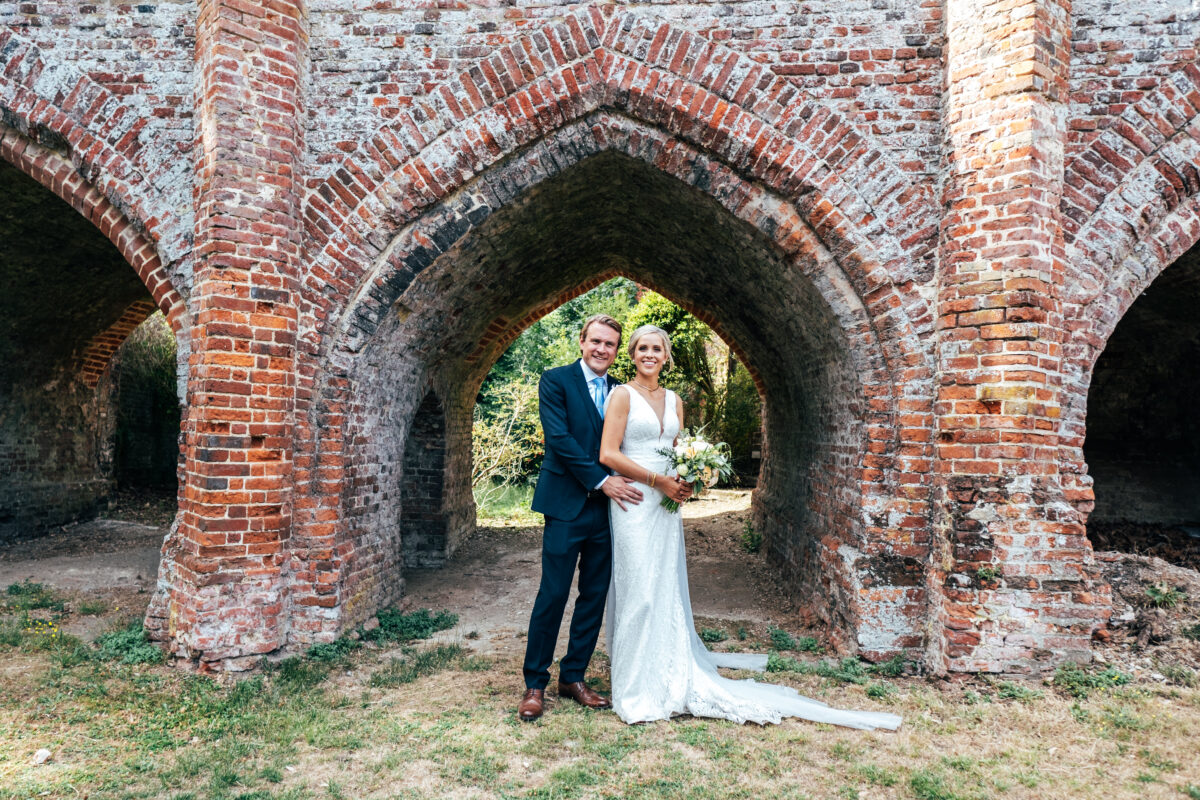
[{"x": 666, "y": 340}]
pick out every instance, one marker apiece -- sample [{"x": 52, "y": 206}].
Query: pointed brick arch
[
  {"x": 56, "y": 484},
  {"x": 502, "y": 332},
  {"x": 1131, "y": 208},
  {"x": 1091, "y": 324},
  {"x": 101, "y": 137},
  {"x": 868, "y": 213},
  {"x": 1131, "y": 179},
  {"x": 869, "y": 309},
  {"x": 58, "y": 175}
]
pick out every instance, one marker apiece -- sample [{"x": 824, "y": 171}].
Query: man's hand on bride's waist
[{"x": 621, "y": 490}]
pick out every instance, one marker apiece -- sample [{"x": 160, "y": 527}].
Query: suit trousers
[{"x": 585, "y": 541}]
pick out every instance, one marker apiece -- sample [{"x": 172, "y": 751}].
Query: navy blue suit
[{"x": 576, "y": 531}]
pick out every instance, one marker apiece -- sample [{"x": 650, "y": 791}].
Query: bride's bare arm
[{"x": 615, "y": 418}]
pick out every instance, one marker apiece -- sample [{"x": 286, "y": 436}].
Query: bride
[{"x": 660, "y": 668}]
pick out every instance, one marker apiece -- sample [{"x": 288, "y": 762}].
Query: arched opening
[
  {"x": 789, "y": 313},
  {"x": 718, "y": 392},
  {"x": 1143, "y": 437},
  {"x": 70, "y": 300}
]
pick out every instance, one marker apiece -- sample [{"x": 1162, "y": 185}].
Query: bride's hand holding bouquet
[{"x": 697, "y": 461}]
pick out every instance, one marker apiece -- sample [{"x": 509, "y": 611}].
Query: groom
[{"x": 572, "y": 492}]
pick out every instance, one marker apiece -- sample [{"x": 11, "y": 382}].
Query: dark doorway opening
[{"x": 1143, "y": 433}]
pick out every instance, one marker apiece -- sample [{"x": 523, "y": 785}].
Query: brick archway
[
  {"x": 59, "y": 442},
  {"x": 101, "y": 138},
  {"x": 60, "y": 177},
  {"x": 872, "y": 560},
  {"x": 1091, "y": 325},
  {"x": 1130, "y": 209},
  {"x": 694, "y": 109},
  {"x": 871, "y": 216}
]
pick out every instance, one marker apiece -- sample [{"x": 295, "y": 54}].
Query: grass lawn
[{"x": 398, "y": 716}]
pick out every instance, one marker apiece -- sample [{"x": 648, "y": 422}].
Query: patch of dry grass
[{"x": 145, "y": 731}]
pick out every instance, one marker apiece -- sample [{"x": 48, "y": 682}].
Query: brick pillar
[
  {"x": 1016, "y": 595},
  {"x": 223, "y": 596}
]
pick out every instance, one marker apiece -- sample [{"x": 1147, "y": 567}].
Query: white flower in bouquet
[{"x": 697, "y": 461}]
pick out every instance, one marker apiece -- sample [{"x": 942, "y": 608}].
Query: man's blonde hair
[{"x": 603, "y": 319}]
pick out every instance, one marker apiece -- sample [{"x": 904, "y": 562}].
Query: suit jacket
[{"x": 572, "y": 426}]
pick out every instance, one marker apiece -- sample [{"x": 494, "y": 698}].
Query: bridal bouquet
[{"x": 697, "y": 461}]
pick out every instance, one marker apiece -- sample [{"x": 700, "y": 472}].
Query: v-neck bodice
[{"x": 645, "y": 433}]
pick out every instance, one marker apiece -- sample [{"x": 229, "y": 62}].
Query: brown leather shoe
[
  {"x": 580, "y": 693},
  {"x": 532, "y": 704}
]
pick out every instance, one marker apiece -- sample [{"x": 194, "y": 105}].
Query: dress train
[{"x": 660, "y": 667}]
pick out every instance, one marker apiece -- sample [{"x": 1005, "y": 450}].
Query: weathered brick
[{"x": 919, "y": 277}]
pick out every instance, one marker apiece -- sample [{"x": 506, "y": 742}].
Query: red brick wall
[{"x": 919, "y": 223}]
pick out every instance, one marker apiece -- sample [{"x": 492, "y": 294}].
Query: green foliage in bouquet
[{"x": 700, "y": 463}]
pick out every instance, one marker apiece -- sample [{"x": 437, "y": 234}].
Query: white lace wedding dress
[{"x": 660, "y": 668}]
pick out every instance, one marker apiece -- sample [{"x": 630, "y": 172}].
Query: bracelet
[{"x": 652, "y": 478}]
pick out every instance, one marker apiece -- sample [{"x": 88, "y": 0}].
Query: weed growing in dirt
[
  {"x": 91, "y": 608},
  {"x": 1191, "y": 790},
  {"x": 750, "y": 540},
  {"x": 1119, "y": 721},
  {"x": 880, "y": 691},
  {"x": 894, "y": 667},
  {"x": 332, "y": 652},
  {"x": 781, "y": 639},
  {"x": 1078, "y": 681},
  {"x": 712, "y": 635},
  {"x": 929, "y": 785},
  {"x": 30, "y": 617},
  {"x": 1010, "y": 690},
  {"x": 808, "y": 644},
  {"x": 1163, "y": 595},
  {"x": 396, "y": 626},
  {"x": 878, "y": 776},
  {"x": 129, "y": 645},
  {"x": 847, "y": 670},
  {"x": 29, "y": 596},
  {"x": 1192, "y": 632},
  {"x": 1180, "y": 675}
]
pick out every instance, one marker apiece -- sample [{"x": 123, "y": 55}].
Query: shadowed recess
[
  {"x": 64, "y": 284},
  {"x": 1143, "y": 435}
]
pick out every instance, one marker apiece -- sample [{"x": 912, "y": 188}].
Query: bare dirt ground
[{"x": 492, "y": 580}]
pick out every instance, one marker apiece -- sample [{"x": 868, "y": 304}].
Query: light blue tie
[{"x": 598, "y": 395}]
